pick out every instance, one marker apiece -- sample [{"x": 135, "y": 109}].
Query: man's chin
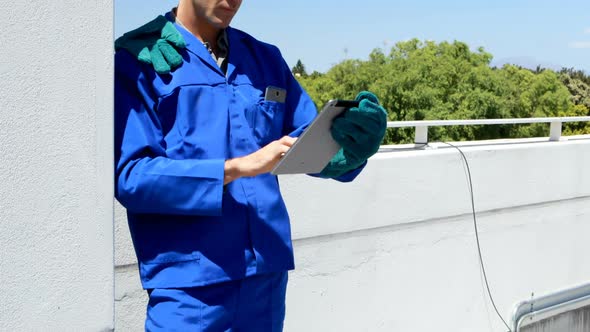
[{"x": 221, "y": 24}]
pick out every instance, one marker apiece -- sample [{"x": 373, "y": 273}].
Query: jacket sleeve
[
  {"x": 300, "y": 110},
  {"x": 146, "y": 179}
]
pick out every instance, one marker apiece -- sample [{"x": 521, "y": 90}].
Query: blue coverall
[{"x": 173, "y": 134}]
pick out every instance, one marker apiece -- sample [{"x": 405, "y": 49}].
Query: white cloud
[
  {"x": 580, "y": 44},
  {"x": 587, "y": 31}
]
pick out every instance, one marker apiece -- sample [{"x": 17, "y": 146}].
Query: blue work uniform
[{"x": 173, "y": 134}]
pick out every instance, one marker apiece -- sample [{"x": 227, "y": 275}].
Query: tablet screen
[{"x": 315, "y": 147}]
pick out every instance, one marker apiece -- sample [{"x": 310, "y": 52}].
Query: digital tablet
[{"x": 315, "y": 147}]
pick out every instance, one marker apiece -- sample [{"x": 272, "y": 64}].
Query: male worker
[{"x": 195, "y": 141}]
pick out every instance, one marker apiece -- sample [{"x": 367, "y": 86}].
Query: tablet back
[{"x": 315, "y": 147}]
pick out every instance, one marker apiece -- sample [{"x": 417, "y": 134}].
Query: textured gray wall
[{"x": 56, "y": 211}]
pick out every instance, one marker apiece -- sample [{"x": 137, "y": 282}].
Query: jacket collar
[{"x": 195, "y": 46}]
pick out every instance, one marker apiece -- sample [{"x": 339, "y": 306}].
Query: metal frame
[
  {"x": 421, "y": 134},
  {"x": 535, "y": 310}
]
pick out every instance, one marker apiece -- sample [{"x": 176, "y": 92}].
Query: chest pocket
[{"x": 266, "y": 121}]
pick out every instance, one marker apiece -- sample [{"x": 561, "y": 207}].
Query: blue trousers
[{"x": 256, "y": 304}]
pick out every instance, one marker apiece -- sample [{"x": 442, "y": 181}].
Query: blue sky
[{"x": 324, "y": 32}]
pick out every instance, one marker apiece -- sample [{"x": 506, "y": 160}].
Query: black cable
[{"x": 485, "y": 277}]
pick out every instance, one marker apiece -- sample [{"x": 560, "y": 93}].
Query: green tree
[
  {"x": 534, "y": 95},
  {"x": 299, "y": 69},
  {"x": 426, "y": 80},
  {"x": 576, "y": 74},
  {"x": 578, "y": 88},
  {"x": 578, "y": 85},
  {"x": 577, "y": 128}
]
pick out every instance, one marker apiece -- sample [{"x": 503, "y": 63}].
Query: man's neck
[{"x": 201, "y": 29}]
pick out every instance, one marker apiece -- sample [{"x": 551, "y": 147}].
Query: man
[{"x": 195, "y": 141}]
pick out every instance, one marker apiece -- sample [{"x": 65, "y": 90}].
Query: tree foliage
[
  {"x": 420, "y": 80},
  {"x": 299, "y": 69},
  {"x": 578, "y": 84}
]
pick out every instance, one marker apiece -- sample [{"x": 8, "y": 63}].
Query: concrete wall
[
  {"x": 56, "y": 211},
  {"x": 395, "y": 250}
]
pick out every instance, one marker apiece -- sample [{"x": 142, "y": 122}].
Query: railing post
[
  {"x": 421, "y": 136},
  {"x": 555, "y": 131}
]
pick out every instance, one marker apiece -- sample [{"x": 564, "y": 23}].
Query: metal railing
[
  {"x": 551, "y": 310},
  {"x": 421, "y": 127}
]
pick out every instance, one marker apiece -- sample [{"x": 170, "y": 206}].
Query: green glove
[
  {"x": 359, "y": 131},
  {"x": 154, "y": 43}
]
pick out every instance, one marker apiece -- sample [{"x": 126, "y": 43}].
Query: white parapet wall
[
  {"x": 56, "y": 143},
  {"x": 395, "y": 250}
]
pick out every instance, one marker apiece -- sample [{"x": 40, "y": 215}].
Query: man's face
[{"x": 218, "y": 13}]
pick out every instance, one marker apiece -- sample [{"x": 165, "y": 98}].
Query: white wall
[
  {"x": 56, "y": 212},
  {"x": 395, "y": 250}
]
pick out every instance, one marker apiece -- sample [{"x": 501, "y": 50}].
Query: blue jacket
[{"x": 173, "y": 134}]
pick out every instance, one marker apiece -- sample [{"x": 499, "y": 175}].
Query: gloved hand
[
  {"x": 359, "y": 131},
  {"x": 154, "y": 43}
]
